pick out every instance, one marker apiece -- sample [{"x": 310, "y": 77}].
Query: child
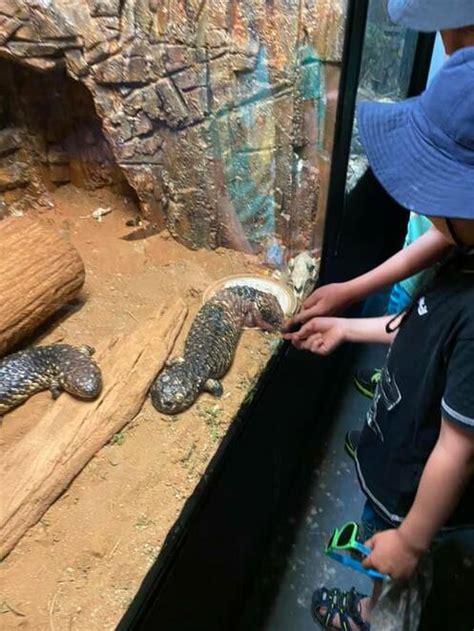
[
  {"x": 415, "y": 257},
  {"x": 407, "y": 269},
  {"x": 420, "y": 250},
  {"x": 415, "y": 457}
]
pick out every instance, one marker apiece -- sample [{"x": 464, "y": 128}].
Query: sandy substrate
[{"x": 81, "y": 565}]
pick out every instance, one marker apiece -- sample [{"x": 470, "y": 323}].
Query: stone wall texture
[{"x": 218, "y": 112}]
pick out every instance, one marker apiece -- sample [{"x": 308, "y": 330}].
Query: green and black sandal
[
  {"x": 366, "y": 381},
  {"x": 346, "y": 605}
]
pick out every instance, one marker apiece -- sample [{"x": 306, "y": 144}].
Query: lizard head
[
  {"x": 269, "y": 314},
  {"x": 174, "y": 390}
]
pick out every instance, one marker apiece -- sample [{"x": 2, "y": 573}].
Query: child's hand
[
  {"x": 325, "y": 301},
  {"x": 320, "y": 335},
  {"x": 392, "y": 554}
]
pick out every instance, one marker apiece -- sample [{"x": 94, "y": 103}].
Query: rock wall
[
  {"x": 50, "y": 135},
  {"x": 219, "y": 112}
]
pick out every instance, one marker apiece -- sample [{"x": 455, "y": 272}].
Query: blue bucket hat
[
  {"x": 431, "y": 15},
  {"x": 422, "y": 149}
]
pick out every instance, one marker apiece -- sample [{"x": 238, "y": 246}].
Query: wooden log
[
  {"x": 37, "y": 470},
  {"x": 39, "y": 273}
]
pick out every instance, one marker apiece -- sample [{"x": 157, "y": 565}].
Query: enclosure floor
[
  {"x": 297, "y": 564},
  {"x": 81, "y": 565}
]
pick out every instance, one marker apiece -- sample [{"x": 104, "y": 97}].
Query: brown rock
[
  {"x": 108, "y": 23},
  {"x": 58, "y": 155},
  {"x": 110, "y": 71},
  {"x": 142, "y": 124},
  {"x": 177, "y": 57},
  {"x": 152, "y": 103},
  {"x": 126, "y": 152},
  {"x": 104, "y": 8},
  {"x": 326, "y": 27},
  {"x": 332, "y": 78},
  {"x": 124, "y": 130},
  {"x": 197, "y": 104},
  {"x": 8, "y": 26},
  {"x": 173, "y": 106},
  {"x": 60, "y": 173},
  {"x": 243, "y": 63},
  {"x": 38, "y": 49},
  {"x": 222, "y": 81},
  {"x": 190, "y": 78},
  {"x": 217, "y": 38},
  {"x": 150, "y": 146},
  {"x": 8, "y": 7},
  {"x": 29, "y": 32},
  {"x": 76, "y": 63},
  {"x": 14, "y": 175},
  {"x": 43, "y": 64},
  {"x": 136, "y": 70},
  {"x": 141, "y": 151},
  {"x": 123, "y": 70},
  {"x": 10, "y": 140},
  {"x": 102, "y": 51}
]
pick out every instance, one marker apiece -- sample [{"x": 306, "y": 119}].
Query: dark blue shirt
[{"x": 429, "y": 373}]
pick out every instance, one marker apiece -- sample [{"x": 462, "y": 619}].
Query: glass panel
[
  {"x": 387, "y": 62},
  {"x": 173, "y": 144}
]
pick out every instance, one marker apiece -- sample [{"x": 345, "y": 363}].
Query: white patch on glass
[
  {"x": 390, "y": 390},
  {"x": 372, "y": 414},
  {"x": 422, "y": 306},
  {"x": 389, "y": 393}
]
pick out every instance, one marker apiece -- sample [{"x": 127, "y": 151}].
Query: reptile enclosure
[{"x": 171, "y": 144}]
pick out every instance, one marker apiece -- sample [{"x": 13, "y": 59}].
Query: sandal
[{"x": 337, "y": 602}]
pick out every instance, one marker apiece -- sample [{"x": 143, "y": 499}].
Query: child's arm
[
  {"x": 324, "y": 335},
  {"x": 450, "y": 466},
  {"x": 332, "y": 299}
]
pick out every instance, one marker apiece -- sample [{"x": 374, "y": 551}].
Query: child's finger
[
  {"x": 298, "y": 317},
  {"x": 307, "y": 329},
  {"x": 305, "y": 345},
  {"x": 300, "y": 334},
  {"x": 367, "y": 563},
  {"x": 319, "y": 348},
  {"x": 311, "y": 300},
  {"x": 302, "y": 316},
  {"x": 297, "y": 344},
  {"x": 315, "y": 344},
  {"x": 370, "y": 542}
]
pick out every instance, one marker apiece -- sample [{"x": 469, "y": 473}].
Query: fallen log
[
  {"x": 39, "y": 273},
  {"x": 37, "y": 469}
]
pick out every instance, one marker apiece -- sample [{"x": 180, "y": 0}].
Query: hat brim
[
  {"x": 413, "y": 171},
  {"x": 431, "y": 17}
]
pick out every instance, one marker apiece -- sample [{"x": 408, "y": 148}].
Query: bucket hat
[
  {"x": 422, "y": 149},
  {"x": 431, "y": 15}
]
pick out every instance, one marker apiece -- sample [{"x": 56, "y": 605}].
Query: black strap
[
  {"x": 453, "y": 259},
  {"x": 391, "y": 327}
]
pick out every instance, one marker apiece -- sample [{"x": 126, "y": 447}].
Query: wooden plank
[{"x": 38, "y": 469}]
